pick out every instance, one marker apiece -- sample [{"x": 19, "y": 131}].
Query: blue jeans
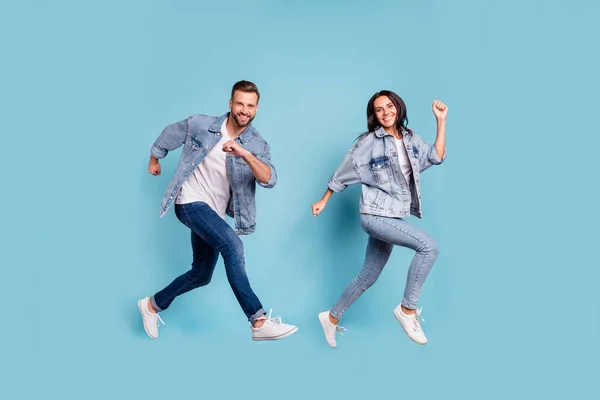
[
  {"x": 384, "y": 233},
  {"x": 211, "y": 235}
]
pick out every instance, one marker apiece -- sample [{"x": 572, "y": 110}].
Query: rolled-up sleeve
[
  {"x": 171, "y": 138},
  {"x": 429, "y": 155},
  {"x": 346, "y": 174},
  {"x": 265, "y": 157}
]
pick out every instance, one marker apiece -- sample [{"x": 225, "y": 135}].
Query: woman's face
[{"x": 385, "y": 111}]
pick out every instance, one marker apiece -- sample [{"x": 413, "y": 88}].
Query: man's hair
[{"x": 245, "y": 86}]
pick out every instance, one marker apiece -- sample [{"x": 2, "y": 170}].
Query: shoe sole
[
  {"x": 143, "y": 322},
  {"x": 289, "y": 333},
  {"x": 325, "y": 332},
  {"x": 404, "y": 329}
]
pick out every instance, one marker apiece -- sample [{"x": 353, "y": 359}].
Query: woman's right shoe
[{"x": 410, "y": 324}]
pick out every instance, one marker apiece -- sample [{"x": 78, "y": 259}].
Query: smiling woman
[
  {"x": 387, "y": 162},
  {"x": 387, "y": 109}
]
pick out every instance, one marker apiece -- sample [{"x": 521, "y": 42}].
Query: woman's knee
[
  {"x": 366, "y": 281},
  {"x": 428, "y": 246},
  {"x": 432, "y": 247}
]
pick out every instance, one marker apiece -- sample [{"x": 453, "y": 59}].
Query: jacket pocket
[
  {"x": 381, "y": 171},
  {"x": 191, "y": 149},
  {"x": 380, "y": 168},
  {"x": 195, "y": 142}
]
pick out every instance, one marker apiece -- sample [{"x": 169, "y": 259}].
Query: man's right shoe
[
  {"x": 273, "y": 329},
  {"x": 149, "y": 318}
]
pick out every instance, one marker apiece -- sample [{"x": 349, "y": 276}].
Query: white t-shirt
[
  {"x": 209, "y": 182},
  {"x": 405, "y": 166}
]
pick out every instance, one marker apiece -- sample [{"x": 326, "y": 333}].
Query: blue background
[{"x": 511, "y": 306}]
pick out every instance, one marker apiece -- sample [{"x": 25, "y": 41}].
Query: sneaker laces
[
  {"x": 158, "y": 318},
  {"x": 416, "y": 325},
  {"x": 341, "y": 330},
  {"x": 272, "y": 320}
]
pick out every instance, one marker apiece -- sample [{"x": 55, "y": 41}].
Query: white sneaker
[
  {"x": 149, "y": 318},
  {"x": 273, "y": 329},
  {"x": 410, "y": 324},
  {"x": 330, "y": 329}
]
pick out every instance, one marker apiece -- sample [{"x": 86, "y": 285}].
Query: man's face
[{"x": 243, "y": 106}]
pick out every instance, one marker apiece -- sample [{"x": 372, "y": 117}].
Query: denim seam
[
  {"x": 179, "y": 292},
  {"x": 217, "y": 232},
  {"x": 412, "y": 290},
  {"x": 221, "y": 238},
  {"x": 403, "y": 231},
  {"x": 345, "y": 306},
  {"x": 427, "y": 250}
]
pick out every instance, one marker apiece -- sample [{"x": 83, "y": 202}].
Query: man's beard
[{"x": 239, "y": 123}]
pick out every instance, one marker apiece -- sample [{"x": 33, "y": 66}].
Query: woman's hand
[
  {"x": 440, "y": 110},
  {"x": 318, "y": 207}
]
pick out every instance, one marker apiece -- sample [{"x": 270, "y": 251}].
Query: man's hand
[
  {"x": 260, "y": 170},
  {"x": 154, "y": 166},
  {"x": 232, "y": 147}
]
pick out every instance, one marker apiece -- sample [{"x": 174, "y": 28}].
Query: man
[{"x": 221, "y": 161}]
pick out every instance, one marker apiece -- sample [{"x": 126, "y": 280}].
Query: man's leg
[
  {"x": 204, "y": 261},
  {"x": 203, "y": 265},
  {"x": 209, "y": 226}
]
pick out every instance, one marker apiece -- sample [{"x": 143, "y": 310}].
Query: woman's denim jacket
[{"x": 373, "y": 162}]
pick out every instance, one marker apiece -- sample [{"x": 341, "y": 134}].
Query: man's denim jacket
[{"x": 198, "y": 135}]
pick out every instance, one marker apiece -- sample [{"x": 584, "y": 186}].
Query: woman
[{"x": 387, "y": 161}]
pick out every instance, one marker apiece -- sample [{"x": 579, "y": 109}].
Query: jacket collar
[
  {"x": 380, "y": 132},
  {"x": 244, "y": 137}
]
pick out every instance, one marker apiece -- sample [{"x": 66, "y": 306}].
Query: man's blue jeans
[{"x": 211, "y": 235}]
